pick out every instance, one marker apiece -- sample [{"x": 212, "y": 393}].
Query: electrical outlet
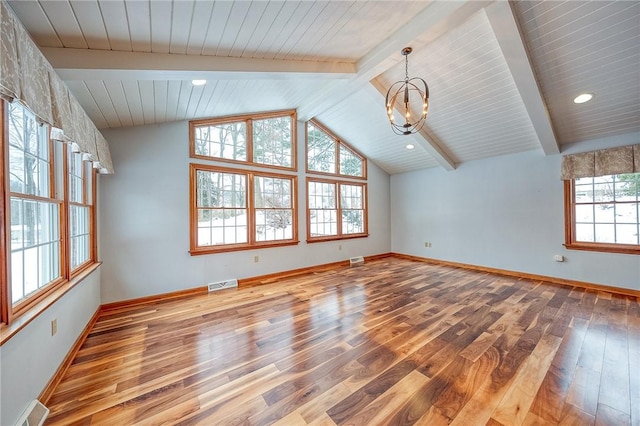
[
  {"x": 256, "y": 259},
  {"x": 54, "y": 326},
  {"x": 340, "y": 247},
  {"x": 558, "y": 258},
  {"x": 427, "y": 244}
]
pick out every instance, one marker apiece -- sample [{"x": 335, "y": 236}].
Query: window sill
[
  {"x": 21, "y": 321},
  {"x": 604, "y": 248},
  {"x": 229, "y": 248},
  {"x": 335, "y": 238}
]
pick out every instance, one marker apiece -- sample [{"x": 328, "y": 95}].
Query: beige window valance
[
  {"x": 26, "y": 75},
  {"x": 611, "y": 161}
]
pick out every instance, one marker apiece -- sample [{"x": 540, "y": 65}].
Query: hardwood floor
[{"x": 392, "y": 342}]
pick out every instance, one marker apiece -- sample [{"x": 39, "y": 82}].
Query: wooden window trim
[
  {"x": 570, "y": 229},
  {"x": 10, "y": 311},
  {"x": 339, "y": 142},
  {"x": 73, "y": 272},
  {"x": 340, "y": 235},
  {"x": 248, "y": 119},
  {"x": 14, "y": 317},
  {"x": 5, "y": 241},
  {"x": 251, "y": 243}
]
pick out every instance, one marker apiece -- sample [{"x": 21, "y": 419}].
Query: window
[
  {"x": 335, "y": 210},
  {"x": 47, "y": 226},
  {"x": 326, "y": 154},
  {"x": 34, "y": 225},
  {"x": 35, "y": 243},
  {"x": 80, "y": 211},
  {"x": 266, "y": 139},
  {"x": 239, "y": 209},
  {"x": 602, "y": 213}
]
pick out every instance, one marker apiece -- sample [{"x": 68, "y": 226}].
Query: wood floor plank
[
  {"x": 549, "y": 401},
  {"x": 392, "y": 342},
  {"x": 518, "y": 399}
]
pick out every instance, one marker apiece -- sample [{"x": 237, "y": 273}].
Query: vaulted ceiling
[{"x": 502, "y": 76}]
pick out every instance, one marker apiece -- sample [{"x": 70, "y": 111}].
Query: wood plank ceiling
[{"x": 502, "y": 76}]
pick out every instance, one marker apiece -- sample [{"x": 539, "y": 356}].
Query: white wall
[
  {"x": 505, "y": 212},
  {"x": 30, "y": 358},
  {"x": 144, "y": 221}
]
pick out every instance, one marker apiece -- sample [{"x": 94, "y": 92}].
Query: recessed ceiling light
[
  {"x": 198, "y": 82},
  {"x": 410, "y": 146},
  {"x": 583, "y": 97}
]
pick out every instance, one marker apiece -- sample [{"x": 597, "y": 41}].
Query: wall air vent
[
  {"x": 356, "y": 261},
  {"x": 35, "y": 414},
  {"x": 221, "y": 285}
]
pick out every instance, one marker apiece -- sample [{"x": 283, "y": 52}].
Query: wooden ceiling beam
[
  {"x": 510, "y": 39},
  {"x": 90, "y": 64}
]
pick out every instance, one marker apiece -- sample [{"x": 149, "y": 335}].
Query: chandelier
[{"x": 407, "y": 88}]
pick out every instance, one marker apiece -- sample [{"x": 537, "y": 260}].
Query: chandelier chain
[{"x": 406, "y": 67}]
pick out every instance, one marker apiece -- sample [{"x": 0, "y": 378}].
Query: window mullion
[
  {"x": 65, "y": 246},
  {"x": 52, "y": 176},
  {"x": 249, "y": 137},
  {"x": 337, "y": 156},
  {"x": 5, "y": 288},
  {"x": 339, "y": 207},
  {"x": 251, "y": 208}
]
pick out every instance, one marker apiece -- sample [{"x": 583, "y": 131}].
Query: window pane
[
  {"x": 605, "y": 233},
  {"x": 235, "y": 227},
  {"x": 75, "y": 178},
  {"x": 627, "y": 187},
  {"x": 28, "y": 152},
  {"x": 274, "y": 224},
  {"x": 89, "y": 181},
  {"x": 585, "y": 233},
  {"x": 351, "y": 197},
  {"x": 627, "y": 213},
  {"x": 627, "y": 234},
  {"x": 29, "y": 223},
  {"x": 322, "y": 195},
  {"x": 32, "y": 266},
  {"x": 584, "y": 213},
  {"x": 79, "y": 234},
  {"x": 584, "y": 193},
  {"x": 272, "y": 192},
  {"x": 321, "y": 150},
  {"x": 205, "y": 223},
  {"x": 45, "y": 256},
  {"x": 215, "y": 189},
  {"x": 350, "y": 164},
  {"x": 222, "y": 226},
  {"x": 272, "y": 141},
  {"x": 604, "y": 213},
  {"x": 352, "y": 221},
  {"x": 323, "y": 222},
  {"x": 17, "y": 224},
  {"x": 16, "y": 170},
  {"x": 274, "y": 213},
  {"x": 603, "y": 192},
  {"x": 227, "y": 141},
  {"x": 17, "y": 276},
  {"x": 35, "y": 246}
]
